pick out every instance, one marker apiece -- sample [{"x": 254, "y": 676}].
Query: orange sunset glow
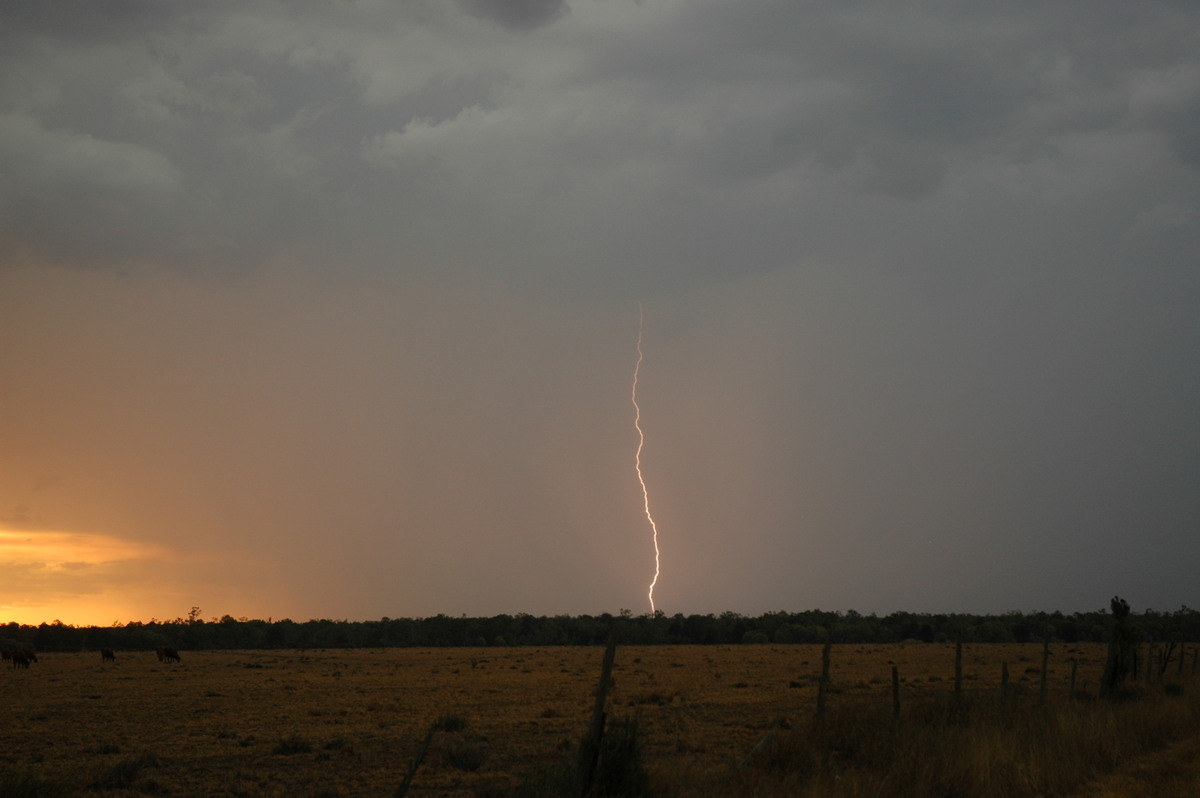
[{"x": 79, "y": 578}]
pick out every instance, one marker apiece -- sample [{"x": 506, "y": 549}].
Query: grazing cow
[
  {"x": 30, "y": 655},
  {"x": 107, "y": 655},
  {"x": 167, "y": 654},
  {"x": 6, "y": 655},
  {"x": 19, "y": 660}
]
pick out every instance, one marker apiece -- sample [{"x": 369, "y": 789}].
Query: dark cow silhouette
[
  {"x": 30, "y": 655},
  {"x": 19, "y": 660},
  {"x": 167, "y": 654},
  {"x": 6, "y": 655},
  {"x": 107, "y": 655}
]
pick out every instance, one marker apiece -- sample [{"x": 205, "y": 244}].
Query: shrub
[
  {"x": 450, "y": 723},
  {"x": 123, "y": 774},
  {"x": 620, "y": 770},
  {"x": 294, "y": 744},
  {"x": 465, "y": 755}
]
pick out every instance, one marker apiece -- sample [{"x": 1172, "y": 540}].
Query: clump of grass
[
  {"x": 465, "y": 755},
  {"x": 24, "y": 785},
  {"x": 653, "y": 697},
  {"x": 292, "y": 745},
  {"x": 123, "y": 774},
  {"x": 102, "y": 749},
  {"x": 621, "y": 770},
  {"x": 450, "y": 723}
]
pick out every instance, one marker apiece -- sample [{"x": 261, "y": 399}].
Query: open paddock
[{"x": 348, "y": 722}]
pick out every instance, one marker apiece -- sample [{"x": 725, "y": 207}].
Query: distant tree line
[{"x": 782, "y": 628}]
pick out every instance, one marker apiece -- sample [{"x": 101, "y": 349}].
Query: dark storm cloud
[
  {"x": 677, "y": 126},
  {"x": 80, "y": 22},
  {"x": 517, "y": 14}
]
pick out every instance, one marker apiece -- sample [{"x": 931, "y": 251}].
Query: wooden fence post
[
  {"x": 1045, "y": 666},
  {"x": 958, "y": 670},
  {"x": 823, "y": 686},
  {"x": 589, "y": 752},
  {"x": 1074, "y": 668},
  {"x": 895, "y": 692},
  {"x": 1004, "y": 683},
  {"x": 402, "y": 790}
]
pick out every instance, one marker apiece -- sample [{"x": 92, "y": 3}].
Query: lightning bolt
[{"x": 637, "y": 460}]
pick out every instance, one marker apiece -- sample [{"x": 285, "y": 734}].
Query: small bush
[
  {"x": 123, "y": 774},
  {"x": 450, "y": 723},
  {"x": 291, "y": 745},
  {"x": 654, "y": 697},
  {"x": 465, "y": 755},
  {"x": 105, "y": 748},
  {"x": 553, "y": 780},
  {"x": 620, "y": 770}
]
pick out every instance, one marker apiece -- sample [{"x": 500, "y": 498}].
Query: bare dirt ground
[{"x": 348, "y": 722}]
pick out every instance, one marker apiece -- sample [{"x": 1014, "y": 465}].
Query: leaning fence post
[
  {"x": 402, "y": 790},
  {"x": 589, "y": 752}
]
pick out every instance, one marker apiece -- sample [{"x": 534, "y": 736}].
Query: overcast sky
[{"x": 330, "y": 310}]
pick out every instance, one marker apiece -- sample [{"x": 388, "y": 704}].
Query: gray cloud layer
[
  {"x": 920, "y": 281},
  {"x": 690, "y": 139}
]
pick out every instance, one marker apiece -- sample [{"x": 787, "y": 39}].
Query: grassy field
[{"x": 348, "y": 722}]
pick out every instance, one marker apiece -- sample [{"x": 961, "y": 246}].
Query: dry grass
[
  {"x": 979, "y": 749},
  {"x": 348, "y": 722}
]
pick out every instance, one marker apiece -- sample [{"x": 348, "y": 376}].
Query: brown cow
[
  {"x": 107, "y": 655},
  {"x": 167, "y": 654},
  {"x": 30, "y": 655},
  {"x": 6, "y": 655},
  {"x": 19, "y": 659}
]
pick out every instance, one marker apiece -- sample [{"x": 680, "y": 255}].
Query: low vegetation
[
  {"x": 901, "y": 720},
  {"x": 978, "y": 748}
]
